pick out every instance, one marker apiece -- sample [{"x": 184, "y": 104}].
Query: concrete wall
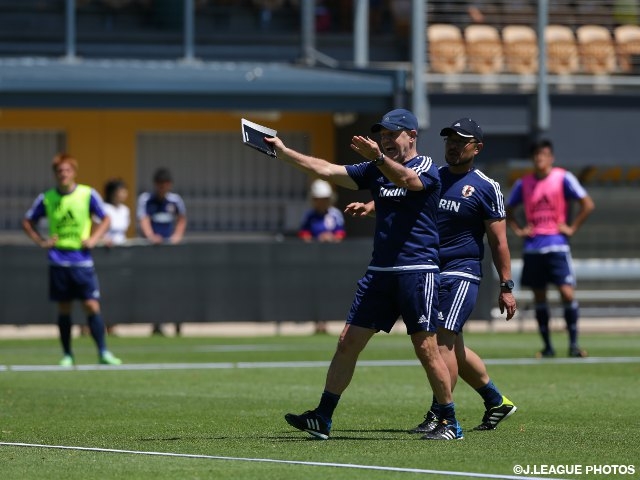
[
  {"x": 212, "y": 282},
  {"x": 240, "y": 281}
]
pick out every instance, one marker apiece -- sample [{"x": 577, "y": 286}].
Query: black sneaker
[
  {"x": 546, "y": 353},
  {"x": 429, "y": 425},
  {"x": 310, "y": 422},
  {"x": 495, "y": 415},
  {"x": 577, "y": 352},
  {"x": 445, "y": 431}
]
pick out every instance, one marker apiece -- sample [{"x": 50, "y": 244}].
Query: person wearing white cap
[{"x": 322, "y": 222}]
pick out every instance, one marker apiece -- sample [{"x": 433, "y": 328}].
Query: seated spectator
[
  {"x": 162, "y": 217},
  {"x": 323, "y": 222},
  {"x": 162, "y": 213},
  {"x": 115, "y": 196}
]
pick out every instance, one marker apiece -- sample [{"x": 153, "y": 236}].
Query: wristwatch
[
  {"x": 378, "y": 161},
  {"x": 507, "y": 285}
]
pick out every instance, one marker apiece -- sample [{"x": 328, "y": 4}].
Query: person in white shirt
[{"x": 115, "y": 196}]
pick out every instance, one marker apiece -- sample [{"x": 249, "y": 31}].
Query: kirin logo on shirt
[{"x": 393, "y": 192}]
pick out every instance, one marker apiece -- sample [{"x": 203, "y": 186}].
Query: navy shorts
[
  {"x": 383, "y": 297},
  {"x": 457, "y": 299},
  {"x": 73, "y": 283},
  {"x": 540, "y": 269}
]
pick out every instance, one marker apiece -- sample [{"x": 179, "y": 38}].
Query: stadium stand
[
  {"x": 627, "y": 40},
  {"x": 562, "y": 50},
  {"x": 520, "y": 49},
  {"x": 562, "y": 12},
  {"x": 484, "y": 49},
  {"x": 597, "y": 51},
  {"x": 230, "y": 194},
  {"x": 594, "y": 12},
  {"x": 447, "y": 52},
  {"x": 519, "y": 12}
]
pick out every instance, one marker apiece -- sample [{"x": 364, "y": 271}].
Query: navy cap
[
  {"x": 399, "y": 119},
  {"x": 465, "y": 127}
]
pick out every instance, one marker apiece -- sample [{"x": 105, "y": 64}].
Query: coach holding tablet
[{"x": 403, "y": 276}]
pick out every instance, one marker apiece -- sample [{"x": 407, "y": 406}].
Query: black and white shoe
[
  {"x": 493, "y": 416},
  {"x": 311, "y": 423},
  {"x": 428, "y": 425},
  {"x": 445, "y": 431}
]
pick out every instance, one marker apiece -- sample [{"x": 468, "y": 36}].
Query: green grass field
[{"x": 212, "y": 408}]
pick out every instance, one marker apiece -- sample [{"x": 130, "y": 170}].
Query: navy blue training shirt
[
  {"x": 406, "y": 233},
  {"x": 466, "y": 202}
]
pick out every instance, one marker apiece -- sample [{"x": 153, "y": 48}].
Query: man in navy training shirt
[
  {"x": 162, "y": 213},
  {"x": 402, "y": 278},
  {"x": 162, "y": 217}
]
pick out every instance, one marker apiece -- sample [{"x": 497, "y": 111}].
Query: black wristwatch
[
  {"x": 378, "y": 161},
  {"x": 507, "y": 285}
]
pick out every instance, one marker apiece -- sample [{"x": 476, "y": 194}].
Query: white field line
[
  {"x": 287, "y": 462},
  {"x": 303, "y": 364}
]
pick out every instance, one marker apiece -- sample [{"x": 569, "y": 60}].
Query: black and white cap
[{"x": 465, "y": 127}]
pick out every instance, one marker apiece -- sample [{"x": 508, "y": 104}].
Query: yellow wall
[{"x": 104, "y": 141}]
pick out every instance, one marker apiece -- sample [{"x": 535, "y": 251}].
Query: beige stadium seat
[
  {"x": 520, "y": 46},
  {"x": 597, "y": 51},
  {"x": 627, "y": 41},
  {"x": 562, "y": 50},
  {"x": 484, "y": 49},
  {"x": 447, "y": 52}
]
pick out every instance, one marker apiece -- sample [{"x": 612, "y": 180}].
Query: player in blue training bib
[{"x": 402, "y": 278}]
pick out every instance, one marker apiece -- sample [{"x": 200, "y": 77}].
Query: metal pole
[
  {"x": 361, "y": 34},
  {"x": 308, "y": 9},
  {"x": 70, "y": 30},
  {"x": 420, "y": 103},
  {"x": 543, "y": 121},
  {"x": 189, "y": 31}
]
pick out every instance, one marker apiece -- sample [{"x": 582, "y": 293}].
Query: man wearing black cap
[
  {"x": 402, "y": 278},
  {"x": 471, "y": 205}
]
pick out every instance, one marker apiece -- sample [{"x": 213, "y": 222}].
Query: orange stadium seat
[
  {"x": 447, "y": 53},
  {"x": 562, "y": 50},
  {"x": 484, "y": 49},
  {"x": 520, "y": 47},
  {"x": 627, "y": 40},
  {"x": 597, "y": 51}
]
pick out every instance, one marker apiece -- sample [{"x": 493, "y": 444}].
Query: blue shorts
[
  {"x": 540, "y": 269},
  {"x": 457, "y": 299},
  {"x": 73, "y": 283},
  {"x": 383, "y": 297}
]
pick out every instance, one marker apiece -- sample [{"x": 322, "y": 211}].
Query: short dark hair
[
  {"x": 162, "y": 175},
  {"x": 111, "y": 187},
  {"x": 539, "y": 145}
]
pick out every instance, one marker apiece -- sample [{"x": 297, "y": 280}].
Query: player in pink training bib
[{"x": 546, "y": 195}]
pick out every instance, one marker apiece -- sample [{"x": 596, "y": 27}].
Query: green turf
[{"x": 584, "y": 413}]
